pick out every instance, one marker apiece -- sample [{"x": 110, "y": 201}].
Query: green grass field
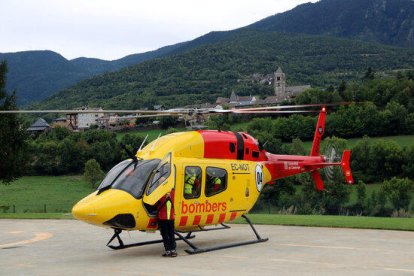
[
  {"x": 35, "y": 194},
  {"x": 36, "y": 216},
  {"x": 406, "y": 224}
]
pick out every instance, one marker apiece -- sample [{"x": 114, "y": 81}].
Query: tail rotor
[{"x": 331, "y": 156}]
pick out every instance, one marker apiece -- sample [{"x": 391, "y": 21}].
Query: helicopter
[{"x": 126, "y": 198}]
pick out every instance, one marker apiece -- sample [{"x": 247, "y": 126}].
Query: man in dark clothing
[{"x": 165, "y": 207}]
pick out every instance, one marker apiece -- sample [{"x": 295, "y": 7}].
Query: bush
[
  {"x": 399, "y": 192},
  {"x": 93, "y": 173}
]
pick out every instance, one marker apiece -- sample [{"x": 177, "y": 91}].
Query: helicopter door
[{"x": 161, "y": 182}]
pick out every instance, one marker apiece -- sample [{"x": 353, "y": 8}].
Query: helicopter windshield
[
  {"x": 130, "y": 176},
  {"x": 113, "y": 174}
]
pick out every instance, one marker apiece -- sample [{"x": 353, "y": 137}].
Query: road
[{"x": 70, "y": 247}]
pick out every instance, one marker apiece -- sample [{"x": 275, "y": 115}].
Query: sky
[{"x": 111, "y": 29}]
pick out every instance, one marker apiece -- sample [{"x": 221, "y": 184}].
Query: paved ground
[{"x": 70, "y": 247}]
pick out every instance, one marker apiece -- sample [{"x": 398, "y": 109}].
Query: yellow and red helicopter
[{"x": 126, "y": 197}]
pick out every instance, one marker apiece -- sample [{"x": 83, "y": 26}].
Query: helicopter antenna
[
  {"x": 143, "y": 142},
  {"x": 156, "y": 140}
]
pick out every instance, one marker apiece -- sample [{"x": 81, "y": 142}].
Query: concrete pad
[{"x": 70, "y": 247}]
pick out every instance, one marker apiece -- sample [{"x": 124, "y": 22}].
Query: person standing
[{"x": 165, "y": 207}]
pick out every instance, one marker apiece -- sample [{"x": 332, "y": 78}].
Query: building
[
  {"x": 81, "y": 121},
  {"x": 235, "y": 100},
  {"x": 61, "y": 122},
  {"x": 283, "y": 92},
  {"x": 39, "y": 127}
]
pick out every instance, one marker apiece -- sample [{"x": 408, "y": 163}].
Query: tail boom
[{"x": 281, "y": 166}]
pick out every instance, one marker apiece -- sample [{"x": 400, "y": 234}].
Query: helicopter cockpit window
[
  {"x": 192, "y": 182},
  {"x": 160, "y": 174},
  {"x": 113, "y": 174},
  {"x": 134, "y": 177},
  {"x": 216, "y": 181}
]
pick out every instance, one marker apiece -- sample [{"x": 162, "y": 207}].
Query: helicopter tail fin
[
  {"x": 320, "y": 129},
  {"x": 346, "y": 168}
]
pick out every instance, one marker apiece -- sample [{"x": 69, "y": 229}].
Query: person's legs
[
  {"x": 171, "y": 237},
  {"x": 164, "y": 228}
]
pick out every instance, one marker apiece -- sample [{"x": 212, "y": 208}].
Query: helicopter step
[
  {"x": 196, "y": 250},
  {"x": 122, "y": 245}
]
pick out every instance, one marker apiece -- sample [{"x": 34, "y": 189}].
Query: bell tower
[{"x": 280, "y": 84}]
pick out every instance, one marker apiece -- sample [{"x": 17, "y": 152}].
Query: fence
[{"x": 38, "y": 208}]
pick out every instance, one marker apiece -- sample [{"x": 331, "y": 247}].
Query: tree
[
  {"x": 399, "y": 192},
  {"x": 93, "y": 172},
  {"x": 13, "y": 137},
  {"x": 369, "y": 74},
  {"x": 167, "y": 122},
  {"x": 362, "y": 201}
]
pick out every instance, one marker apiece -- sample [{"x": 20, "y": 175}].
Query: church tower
[{"x": 280, "y": 84}]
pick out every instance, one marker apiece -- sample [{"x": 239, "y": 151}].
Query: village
[{"x": 96, "y": 118}]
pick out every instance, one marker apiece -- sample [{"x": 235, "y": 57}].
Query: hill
[
  {"x": 98, "y": 66},
  {"x": 206, "y": 72},
  {"x": 384, "y": 21},
  {"x": 36, "y": 75}
]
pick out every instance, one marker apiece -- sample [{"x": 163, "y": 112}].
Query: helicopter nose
[
  {"x": 83, "y": 211},
  {"x": 113, "y": 208}
]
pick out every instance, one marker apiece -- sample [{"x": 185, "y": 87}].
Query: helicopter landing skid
[
  {"x": 122, "y": 245},
  {"x": 205, "y": 229},
  {"x": 196, "y": 250}
]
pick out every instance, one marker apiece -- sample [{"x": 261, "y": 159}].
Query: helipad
[{"x": 70, "y": 247}]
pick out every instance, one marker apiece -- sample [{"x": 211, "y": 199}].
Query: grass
[
  {"x": 41, "y": 194},
  {"x": 406, "y": 224},
  {"x": 36, "y": 216}
]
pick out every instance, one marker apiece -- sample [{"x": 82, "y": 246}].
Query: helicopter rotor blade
[
  {"x": 280, "y": 107},
  {"x": 274, "y": 111},
  {"x": 71, "y": 111},
  {"x": 183, "y": 111}
]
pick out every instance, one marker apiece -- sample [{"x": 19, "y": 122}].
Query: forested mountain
[
  {"x": 36, "y": 75},
  {"x": 385, "y": 21},
  {"x": 205, "y": 72}
]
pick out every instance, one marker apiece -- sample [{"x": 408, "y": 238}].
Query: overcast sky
[{"x": 111, "y": 29}]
